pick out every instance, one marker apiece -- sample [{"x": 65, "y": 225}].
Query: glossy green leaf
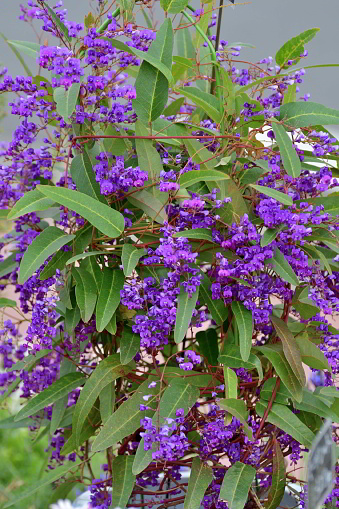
[
  {"x": 7, "y": 303},
  {"x": 272, "y": 193},
  {"x": 179, "y": 394},
  {"x": 293, "y": 48},
  {"x": 129, "y": 345},
  {"x": 290, "y": 95},
  {"x": 63, "y": 30},
  {"x": 116, "y": 146},
  {"x": 304, "y": 114},
  {"x": 85, "y": 292},
  {"x": 107, "y": 401},
  {"x": 314, "y": 404},
  {"x": 192, "y": 177},
  {"x": 244, "y": 321},
  {"x": 291, "y": 161},
  {"x": 200, "y": 478},
  {"x": 107, "y": 220},
  {"x": 44, "y": 245},
  {"x": 66, "y": 100},
  {"x": 197, "y": 233},
  {"x": 152, "y": 84},
  {"x": 57, "y": 390},
  {"x": 30, "y": 48},
  {"x": 89, "y": 428},
  {"x": 236, "y": 485},
  {"x": 270, "y": 235},
  {"x": 126, "y": 419},
  {"x": 82, "y": 256},
  {"x": 174, "y": 107},
  {"x": 8, "y": 265},
  {"x": 173, "y": 6},
  {"x": 84, "y": 177},
  {"x": 282, "y": 417},
  {"x": 217, "y": 307},
  {"x": 59, "y": 407},
  {"x": 123, "y": 480},
  {"x": 275, "y": 354},
  {"x": 72, "y": 318},
  {"x": 130, "y": 258},
  {"x": 206, "y": 101},
  {"x": 311, "y": 354},
  {"x": 53, "y": 475},
  {"x": 196, "y": 378},
  {"x": 145, "y": 201},
  {"x": 277, "y": 489},
  {"x": 105, "y": 373},
  {"x": 208, "y": 346},
  {"x": 282, "y": 395},
  {"x": 109, "y": 296},
  {"x": 231, "y": 383},
  {"x": 231, "y": 357},
  {"x": 290, "y": 348},
  {"x": 30, "y": 202},
  {"x": 282, "y": 267},
  {"x": 238, "y": 409},
  {"x": 186, "y": 306}
]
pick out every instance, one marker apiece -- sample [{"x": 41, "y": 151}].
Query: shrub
[{"x": 175, "y": 257}]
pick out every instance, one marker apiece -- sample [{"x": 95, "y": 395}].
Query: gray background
[{"x": 267, "y": 24}]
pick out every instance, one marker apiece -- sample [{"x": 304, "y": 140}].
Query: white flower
[{"x": 61, "y": 504}]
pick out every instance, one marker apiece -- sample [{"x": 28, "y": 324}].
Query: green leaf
[
  {"x": 93, "y": 268},
  {"x": 85, "y": 292},
  {"x": 208, "y": 346},
  {"x": 7, "y": 303},
  {"x": 30, "y": 202},
  {"x": 174, "y": 107},
  {"x": 8, "y": 265},
  {"x": 150, "y": 205},
  {"x": 107, "y": 220},
  {"x": 206, "y": 101},
  {"x": 186, "y": 306},
  {"x": 290, "y": 348},
  {"x": 231, "y": 357},
  {"x": 29, "y": 361},
  {"x": 123, "y": 480},
  {"x": 117, "y": 146},
  {"x": 291, "y": 161},
  {"x": 311, "y": 354},
  {"x": 282, "y": 267},
  {"x": 111, "y": 327},
  {"x": 152, "y": 84},
  {"x": 44, "y": 245},
  {"x": 313, "y": 403},
  {"x": 277, "y": 489},
  {"x": 200, "y": 478},
  {"x": 282, "y": 395},
  {"x": 149, "y": 160},
  {"x": 66, "y": 100},
  {"x": 129, "y": 345},
  {"x": 196, "y": 378},
  {"x": 53, "y": 475},
  {"x": 275, "y": 354},
  {"x": 228, "y": 91},
  {"x": 30, "y": 48},
  {"x": 173, "y": 6},
  {"x": 244, "y": 321},
  {"x": 72, "y": 318},
  {"x": 290, "y": 94},
  {"x": 192, "y": 177},
  {"x": 282, "y": 417},
  {"x": 105, "y": 373},
  {"x": 18, "y": 55},
  {"x": 270, "y": 235},
  {"x": 107, "y": 401},
  {"x": 179, "y": 394},
  {"x": 109, "y": 296},
  {"x": 126, "y": 419},
  {"x": 57, "y": 390},
  {"x": 330, "y": 203},
  {"x": 277, "y": 195},
  {"x": 293, "y": 48},
  {"x": 236, "y": 485},
  {"x": 82, "y": 256},
  {"x": 304, "y": 114},
  {"x": 130, "y": 257},
  {"x": 61, "y": 27},
  {"x": 197, "y": 233},
  {"x": 305, "y": 306},
  {"x": 231, "y": 383},
  {"x": 90, "y": 426},
  {"x": 59, "y": 407},
  {"x": 217, "y": 307},
  {"x": 238, "y": 409},
  {"x": 83, "y": 176}
]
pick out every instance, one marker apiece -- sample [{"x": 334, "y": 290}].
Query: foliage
[{"x": 174, "y": 253}]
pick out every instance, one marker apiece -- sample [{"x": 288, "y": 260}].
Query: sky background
[{"x": 266, "y": 24}]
